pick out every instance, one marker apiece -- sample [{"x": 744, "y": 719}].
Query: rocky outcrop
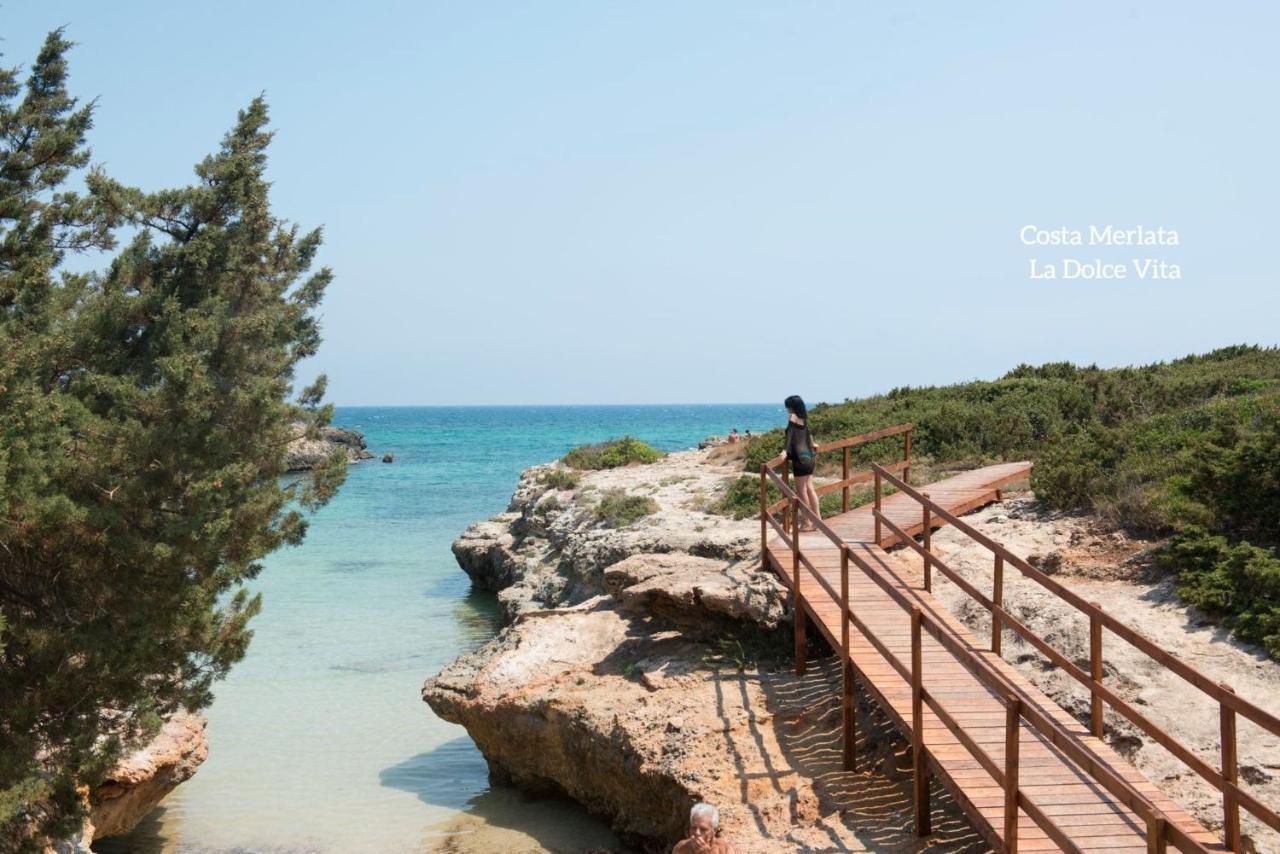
[
  {"x": 138, "y": 782},
  {"x": 304, "y": 454},
  {"x": 700, "y": 596},
  {"x": 600, "y": 687},
  {"x": 646, "y": 668},
  {"x": 141, "y": 779},
  {"x": 551, "y": 548},
  {"x": 622, "y": 716}
]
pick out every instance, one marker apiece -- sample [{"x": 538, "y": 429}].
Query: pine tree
[{"x": 143, "y": 421}]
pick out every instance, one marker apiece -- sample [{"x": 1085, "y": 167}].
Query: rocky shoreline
[
  {"x": 139, "y": 781},
  {"x": 647, "y": 667},
  {"x": 304, "y": 454}
]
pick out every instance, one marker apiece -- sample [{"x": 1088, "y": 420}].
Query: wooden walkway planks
[{"x": 1079, "y": 806}]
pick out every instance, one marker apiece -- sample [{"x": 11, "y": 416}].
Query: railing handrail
[
  {"x": 1230, "y": 703},
  {"x": 1156, "y": 819}
]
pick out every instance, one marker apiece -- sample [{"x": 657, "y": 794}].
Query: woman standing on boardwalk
[{"x": 798, "y": 448}]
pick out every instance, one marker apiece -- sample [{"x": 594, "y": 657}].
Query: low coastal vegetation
[
  {"x": 618, "y": 509},
  {"x": 612, "y": 454},
  {"x": 1187, "y": 449},
  {"x": 144, "y": 417},
  {"x": 561, "y": 479}
]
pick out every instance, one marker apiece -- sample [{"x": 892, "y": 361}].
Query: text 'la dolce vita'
[{"x": 1098, "y": 268}]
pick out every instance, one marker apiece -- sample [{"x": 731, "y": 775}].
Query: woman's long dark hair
[{"x": 796, "y": 404}]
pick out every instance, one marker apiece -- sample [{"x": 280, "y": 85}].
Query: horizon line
[{"x": 543, "y": 405}]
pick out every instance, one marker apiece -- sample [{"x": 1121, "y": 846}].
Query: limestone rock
[
  {"x": 550, "y": 548},
  {"x": 486, "y": 552},
  {"x": 697, "y": 594},
  {"x": 562, "y": 702},
  {"x": 141, "y": 779}
]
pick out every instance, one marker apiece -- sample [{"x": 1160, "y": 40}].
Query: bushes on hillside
[
  {"x": 1238, "y": 583},
  {"x": 1032, "y": 409},
  {"x": 1191, "y": 445},
  {"x": 612, "y": 454}
]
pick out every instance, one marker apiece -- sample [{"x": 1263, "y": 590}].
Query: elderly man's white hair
[{"x": 707, "y": 811}]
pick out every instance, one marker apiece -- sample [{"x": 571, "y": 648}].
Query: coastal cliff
[{"x": 646, "y": 667}]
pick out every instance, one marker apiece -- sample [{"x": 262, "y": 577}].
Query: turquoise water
[{"x": 319, "y": 740}]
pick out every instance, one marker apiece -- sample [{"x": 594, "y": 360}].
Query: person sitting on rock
[
  {"x": 733, "y": 436},
  {"x": 704, "y": 823}
]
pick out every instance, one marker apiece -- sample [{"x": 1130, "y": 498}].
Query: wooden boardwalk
[{"x": 1064, "y": 791}]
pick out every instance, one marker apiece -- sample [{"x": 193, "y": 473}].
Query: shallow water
[{"x": 319, "y": 740}]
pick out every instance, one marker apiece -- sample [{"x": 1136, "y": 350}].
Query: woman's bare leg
[
  {"x": 804, "y": 489},
  {"x": 813, "y": 498}
]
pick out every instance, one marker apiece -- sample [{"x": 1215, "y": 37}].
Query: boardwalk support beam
[
  {"x": 1095, "y": 673},
  {"x": 919, "y": 768},
  {"x": 1230, "y": 773},
  {"x": 797, "y": 604},
  {"x": 847, "y": 707},
  {"x": 997, "y": 600},
  {"x": 1013, "y": 715},
  {"x": 927, "y": 523}
]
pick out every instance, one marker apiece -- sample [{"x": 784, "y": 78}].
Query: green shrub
[
  {"x": 1030, "y": 410},
  {"x": 742, "y": 499},
  {"x": 612, "y": 454},
  {"x": 561, "y": 479},
  {"x": 1238, "y": 583},
  {"x": 617, "y": 509}
]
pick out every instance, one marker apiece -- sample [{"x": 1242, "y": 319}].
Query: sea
[{"x": 319, "y": 740}]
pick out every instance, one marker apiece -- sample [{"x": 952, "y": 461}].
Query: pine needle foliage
[{"x": 144, "y": 414}]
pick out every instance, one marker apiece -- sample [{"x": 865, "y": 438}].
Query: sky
[{"x": 607, "y": 202}]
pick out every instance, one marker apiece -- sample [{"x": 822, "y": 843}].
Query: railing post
[
  {"x": 1095, "y": 671},
  {"x": 764, "y": 522},
  {"x": 1155, "y": 835},
  {"x": 1230, "y": 773},
  {"x": 789, "y": 512},
  {"x": 997, "y": 604},
  {"x": 1012, "y": 721},
  {"x": 906, "y": 457},
  {"x": 919, "y": 769},
  {"x": 928, "y": 545},
  {"x": 847, "y": 707},
  {"x": 876, "y": 472},
  {"x": 844, "y": 493},
  {"x": 797, "y": 602}
]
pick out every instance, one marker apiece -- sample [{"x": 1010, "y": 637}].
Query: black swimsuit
[{"x": 800, "y": 449}]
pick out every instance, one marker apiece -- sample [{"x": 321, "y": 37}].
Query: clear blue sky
[{"x": 592, "y": 202}]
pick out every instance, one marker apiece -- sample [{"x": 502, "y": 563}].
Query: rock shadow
[{"x": 499, "y": 816}]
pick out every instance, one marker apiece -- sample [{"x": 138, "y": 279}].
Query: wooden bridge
[{"x": 1030, "y": 776}]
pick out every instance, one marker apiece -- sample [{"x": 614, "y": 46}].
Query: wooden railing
[
  {"x": 1160, "y": 830},
  {"x": 1225, "y": 778},
  {"x": 846, "y": 479}
]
